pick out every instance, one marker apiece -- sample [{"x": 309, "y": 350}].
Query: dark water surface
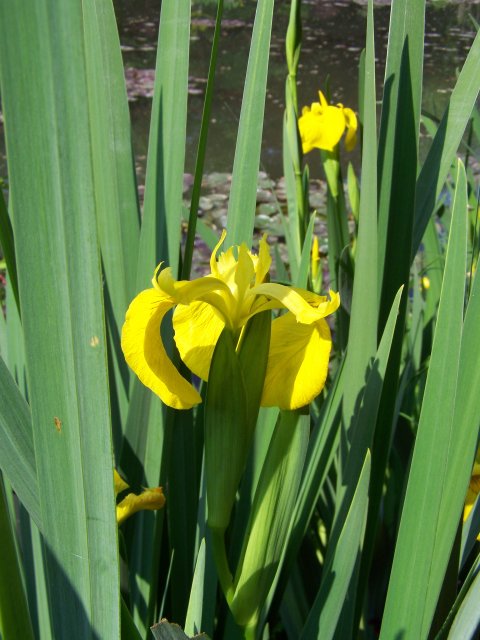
[{"x": 333, "y": 37}]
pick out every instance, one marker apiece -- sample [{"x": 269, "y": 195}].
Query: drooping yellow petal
[
  {"x": 144, "y": 351},
  {"x": 197, "y": 329},
  {"x": 151, "y": 499},
  {"x": 184, "y": 291},
  {"x": 352, "y": 125},
  {"x": 297, "y": 362}
]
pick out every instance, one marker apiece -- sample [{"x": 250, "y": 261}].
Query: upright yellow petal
[
  {"x": 197, "y": 329},
  {"x": 352, "y": 126},
  {"x": 297, "y": 362},
  {"x": 144, "y": 351},
  {"x": 323, "y": 100},
  {"x": 314, "y": 258},
  {"x": 264, "y": 261},
  {"x": 213, "y": 257}
]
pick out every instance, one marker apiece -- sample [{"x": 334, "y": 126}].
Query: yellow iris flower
[
  {"x": 151, "y": 499},
  {"x": 234, "y": 291},
  {"x": 322, "y": 125}
]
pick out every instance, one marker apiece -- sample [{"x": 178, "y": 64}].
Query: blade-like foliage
[
  {"x": 418, "y": 571},
  {"x": 241, "y": 206},
  {"x": 51, "y": 199}
]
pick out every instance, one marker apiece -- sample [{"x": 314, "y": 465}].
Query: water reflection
[{"x": 333, "y": 37}]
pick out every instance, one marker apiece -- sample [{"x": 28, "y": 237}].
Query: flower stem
[{"x": 221, "y": 562}]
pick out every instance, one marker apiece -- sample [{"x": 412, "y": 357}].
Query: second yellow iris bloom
[
  {"x": 234, "y": 291},
  {"x": 322, "y": 125}
]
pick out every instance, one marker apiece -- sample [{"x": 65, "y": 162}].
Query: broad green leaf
[
  {"x": 114, "y": 178},
  {"x": 362, "y": 337},
  {"x": 446, "y": 142},
  {"x": 323, "y": 617},
  {"x": 148, "y": 424},
  {"x": 160, "y": 232},
  {"x": 423, "y": 544},
  {"x": 398, "y": 146},
  {"x": 42, "y": 62},
  {"x": 242, "y": 203},
  {"x": 202, "y": 145},
  {"x": 362, "y": 433},
  {"x": 17, "y": 456}
]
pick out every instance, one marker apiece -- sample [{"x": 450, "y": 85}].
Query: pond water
[{"x": 333, "y": 38}]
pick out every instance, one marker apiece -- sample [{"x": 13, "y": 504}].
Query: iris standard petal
[
  {"x": 213, "y": 257},
  {"x": 197, "y": 329},
  {"x": 263, "y": 261},
  {"x": 297, "y": 362},
  {"x": 144, "y": 351},
  {"x": 352, "y": 125}
]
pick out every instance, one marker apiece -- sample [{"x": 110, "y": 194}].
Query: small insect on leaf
[
  {"x": 58, "y": 424},
  {"x": 94, "y": 341}
]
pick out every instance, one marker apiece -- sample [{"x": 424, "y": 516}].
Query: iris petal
[
  {"x": 197, "y": 329},
  {"x": 297, "y": 301},
  {"x": 144, "y": 351},
  {"x": 263, "y": 262},
  {"x": 149, "y": 499},
  {"x": 352, "y": 125},
  {"x": 297, "y": 362},
  {"x": 321, "y": 129}
]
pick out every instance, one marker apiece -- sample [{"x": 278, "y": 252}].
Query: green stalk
[{"x": 221, "y": 562}]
